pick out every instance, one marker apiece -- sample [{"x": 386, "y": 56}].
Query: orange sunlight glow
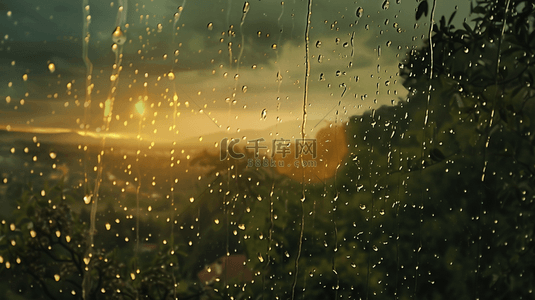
[{"x": 330, "y": 153}]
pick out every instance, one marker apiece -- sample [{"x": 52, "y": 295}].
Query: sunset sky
[{"x": 357, "y": 70}]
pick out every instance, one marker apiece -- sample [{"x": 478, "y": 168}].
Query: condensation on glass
[{"x": 303, "y": 149}]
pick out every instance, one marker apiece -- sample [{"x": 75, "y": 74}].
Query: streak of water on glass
[
  {"x": 119, "y": 39},
  {"x": 424, "y": 141},
  {"x": 141, "y": 110},
  {"x": 368, "y": 245},
  {"x": 86, "y": 284},
  {"x": 173, "y": 181},
  {"x": 303, "y": 125},
  {"x": 242, "y": 46},
  {"x": 489, "y": 130},
  {"x": 245, "y": 10},
  {"x": 493, "y": 111},
  {"x": 335, "y": 209}
]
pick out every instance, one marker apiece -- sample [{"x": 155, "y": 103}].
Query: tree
[
  {"x": 483, "y": 75},
  {"x": 43, "y": 248}
]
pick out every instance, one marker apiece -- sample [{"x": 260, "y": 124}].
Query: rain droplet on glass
[
  {"x": 359, "y": 12},
  {"x": 118, "y": 36}
]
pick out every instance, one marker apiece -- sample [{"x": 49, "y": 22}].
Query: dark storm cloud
[{"x": 283, "y": 23}]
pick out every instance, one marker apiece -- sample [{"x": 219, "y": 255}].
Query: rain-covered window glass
[{"x": 299, "y": 149}]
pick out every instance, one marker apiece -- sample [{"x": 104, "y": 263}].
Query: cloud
[{"x": 350, "y": 78}]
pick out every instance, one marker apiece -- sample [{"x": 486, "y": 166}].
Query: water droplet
[
  {"x": 140, "y": 107},
  {"x": 386, "y": 4},
  {"x": 322, "y": 77},
  {"x": 51, "y": 67},
  {"x": 320, "y": 58},
  {"x": 244, "y": 88},
  {"x": 108, "y": 226},
  {"x": 87, "y": 199},
  {"x": 245, "y": 7},
  {"x": 118, "y": 36},
  {"x": 160, "y": 27},
  {"x": 359, "y": 12},
  {"x": 210, "y": 26},
  {"x": 171, "y": 76},
  {"x": 25, "y": 77},
  {"x": 53, "y": 155},
  {"x": 318, "y": 44},
  {"x": 338, "y": 73},
  {"x": 56, "y": 277},
  {"x": 263, "y": 114},
  {"x": 274, "y": 46}
]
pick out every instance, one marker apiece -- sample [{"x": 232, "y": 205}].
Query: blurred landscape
[{"x": 152, "y": 150}]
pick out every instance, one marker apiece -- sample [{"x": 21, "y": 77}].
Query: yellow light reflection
[
  {"x": 140, "y": 107},
  {"x": 107, "y": 108}
]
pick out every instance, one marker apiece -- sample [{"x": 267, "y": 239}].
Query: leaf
[
  {"x": 532, "y": 38},
  {"x": 436, "y": 155},
  {"x": 423, "y": 8},
  {"x": 30, "y": 211},
  {"x": 477, "y": 10},
  {"x": 451, "y": 17},
  {"x": 530, "y": 78},
  {"x": 468, "y": 28},
  {"x": 516, "y": 90}
]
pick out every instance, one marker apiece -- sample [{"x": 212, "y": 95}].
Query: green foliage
[{"x": 44, "y": 244}]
